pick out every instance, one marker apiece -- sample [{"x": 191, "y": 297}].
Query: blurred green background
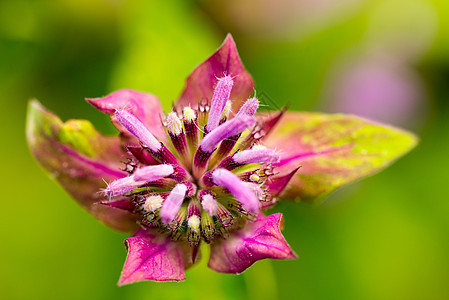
[{"x": 386, "y": 237}]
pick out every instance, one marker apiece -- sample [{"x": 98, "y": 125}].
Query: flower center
[{"x": 209, "y": 180}]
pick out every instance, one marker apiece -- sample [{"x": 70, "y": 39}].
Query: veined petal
[
  {"x": 225, "y": 61},
  {"x": 333, "y": 150},
  {"x": 257, "y": 240},
  {"x": 152, "y": 256},
  {"x": 80, "y": 159},
  {"x": 144, "y": 106}
]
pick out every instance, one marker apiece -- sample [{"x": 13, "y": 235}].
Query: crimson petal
[
  {"x": 80, "y": 159},
  {"x": 201, "y": 82},
  {"x": 144, "y": 106},
  {"x": 153, "y": 257},
  {"x": 257, "y": 240}
]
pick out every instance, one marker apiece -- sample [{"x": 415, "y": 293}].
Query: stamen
[
  {"x": 177, "y": 136},
  {"x": 173, "y": 203},
  {"x": 191, "y": 128},
  {"x": 254, "y": 177},
  {"x": 189, "y": 114},
  {"x": 207, "y": 227},
  {"x": 224, "y": 216},
  {"x": 152, "y": 173},
  {"x": 174, "y": 124},
  {"x": 176, "y": 224},
  {"x": 208, "y": 202},
  {"x": 226, "y": 111},
  {"x": 221, "y": 95},
  {"x": 152, "y": 203},
  {"x": 194, "y": 222},
  {"x": 241, "y": 192},
  {"x": 136, "y": 128}
]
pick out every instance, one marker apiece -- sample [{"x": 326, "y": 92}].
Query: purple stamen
[
  {"x": 238, "y": 188},
  {"x": 208, "y": 202},
  {"x": 221, "y": 95},
  {"x": 151, "y": 173},
  {"x": 136, "y": 128}
]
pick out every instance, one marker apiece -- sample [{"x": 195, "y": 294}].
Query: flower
[{"x": 205, "y": 172}]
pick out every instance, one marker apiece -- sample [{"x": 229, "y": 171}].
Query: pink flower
[{"x": 205, "y": 172}]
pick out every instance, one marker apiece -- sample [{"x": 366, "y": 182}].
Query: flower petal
[
  {"x": 153, "y": 257},
  {"x": 201, "y": 82},
  {"x": 80, "y": 159},
  {"x": 144, "y": 106},
  {"x": 333, "y": 150},
  {"x": 257, "y": 240}
]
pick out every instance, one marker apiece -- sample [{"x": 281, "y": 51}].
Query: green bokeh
[{"x": 386, "y": 237}]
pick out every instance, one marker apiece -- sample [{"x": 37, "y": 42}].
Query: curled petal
[
  {"x": 152, "y": 173},
  {"x": 257, "y": 240},
  {"x": 333, "y": 150},
  {"x": 154, "y": 257},
  {"x": 137, "y": 129},
  {"x": 80, "y": 159},
  {"x": 241, "y": 192},
  {"x": 144, "y": 106},
  {"x": 224, "y": 131},
  {"x": 218, "y": 102},
  {"x": 173, "y": 203},
  {"x": 142, "y": 155},
  {"x": 249, "y": 107},
  {"x": 277, "y": 184},
  {"x": 256, "y": 156},
  {"x": 225, "y": 61}
]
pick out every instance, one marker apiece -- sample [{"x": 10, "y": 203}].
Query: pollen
[
  {"x": 258, "y": 147},
  {"x": 254, "y": 177},
  {"x": 226, "y": 110},
  {"x": 174, "y": 124},
  {"x": 194, "y": 223},
  {"x": 152, "y": 203},
  {"x": 189, "y": 114}
]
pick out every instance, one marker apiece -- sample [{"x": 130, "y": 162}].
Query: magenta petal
[
  {"x": 144, "y": 106},
  {"x": 153, "y": 257},
  {"x": 257, "y": 240},
  {"x": 201, "y": 82},
  {"x": 80, "y": 159}
]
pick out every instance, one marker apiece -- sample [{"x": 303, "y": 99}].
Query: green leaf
[
  {"x": 333, "y": 150},
  {"x": 80, "y": 159}
]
